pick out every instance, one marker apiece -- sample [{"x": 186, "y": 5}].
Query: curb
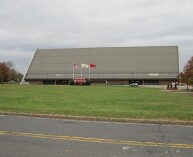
[{"x": 101, "y": 119}]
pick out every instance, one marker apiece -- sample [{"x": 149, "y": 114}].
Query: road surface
[{"x": 42, "y": 137}]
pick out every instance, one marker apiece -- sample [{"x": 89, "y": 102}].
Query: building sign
[
  {"x": 59, "y": 75},
  {"x": 153, "y": 74},
  {"x": 79, "y": 80}
]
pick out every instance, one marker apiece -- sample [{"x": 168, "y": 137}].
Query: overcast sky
[{"x": 26, "y": 25}]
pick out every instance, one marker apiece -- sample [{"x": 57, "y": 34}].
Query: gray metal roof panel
[{"x": 109, "y": 60}]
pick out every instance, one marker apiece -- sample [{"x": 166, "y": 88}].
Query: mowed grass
[{"x": 97, "y": 101}]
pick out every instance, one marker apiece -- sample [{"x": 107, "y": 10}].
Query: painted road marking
[{"x": 97, "y": 140}]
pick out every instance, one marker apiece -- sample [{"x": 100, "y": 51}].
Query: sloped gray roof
[{"x": 111, "y": 62}]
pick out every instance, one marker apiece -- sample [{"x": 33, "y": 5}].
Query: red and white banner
[{"x": 92, "y": 65}]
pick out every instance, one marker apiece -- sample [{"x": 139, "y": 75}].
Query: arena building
[{"x": 153, "y": 65}]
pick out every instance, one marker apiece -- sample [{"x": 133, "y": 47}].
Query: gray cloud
[{"x": 28, "y": 25}]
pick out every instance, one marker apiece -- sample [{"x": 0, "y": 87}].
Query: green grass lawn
[{"x": 97, "y": 101}]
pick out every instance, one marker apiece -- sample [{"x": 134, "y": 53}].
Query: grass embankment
[{"x": 97, "y": 101}]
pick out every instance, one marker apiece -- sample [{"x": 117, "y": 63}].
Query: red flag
[{"x": 92, "y": 65}]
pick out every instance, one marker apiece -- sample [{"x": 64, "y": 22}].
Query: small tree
[
  {"x": 187, "y": 75},
  {"x": 4, "y": 72},
  {"x": 15, "y": 75}
]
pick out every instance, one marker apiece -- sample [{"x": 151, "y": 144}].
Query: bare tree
[{"x": 10, "y": 65}]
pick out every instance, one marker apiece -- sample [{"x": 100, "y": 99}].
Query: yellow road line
[{"x": 97, "y": 140}]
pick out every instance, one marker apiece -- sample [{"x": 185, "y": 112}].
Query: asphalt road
[{"x": 32, "y": 137}]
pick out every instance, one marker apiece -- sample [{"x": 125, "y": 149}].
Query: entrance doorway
[{"x": 139, "y": 82}]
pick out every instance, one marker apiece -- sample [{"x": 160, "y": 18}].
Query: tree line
[
  {"x": 8, "y": 73},
  {"x": 187, "y": 75}
]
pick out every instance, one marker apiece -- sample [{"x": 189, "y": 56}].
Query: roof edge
[{"x": 103, "y": 47}]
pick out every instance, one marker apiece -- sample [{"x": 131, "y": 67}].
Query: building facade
[{"x": 114, "y": 65}]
